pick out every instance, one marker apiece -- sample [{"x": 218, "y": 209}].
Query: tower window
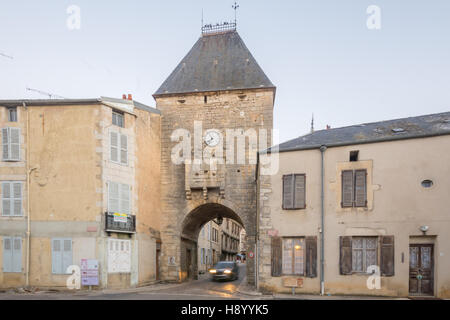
[
  {"x": 206, "y": 99},
  {"x": 354, "y": 156}
]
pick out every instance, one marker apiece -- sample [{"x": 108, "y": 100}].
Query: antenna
[
  {"x": 312, "y": 123},
  {"x": 50, "y": 95},
  {"x": 235, "y": 6}
]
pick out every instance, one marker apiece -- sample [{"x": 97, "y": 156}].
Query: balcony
[{"x": 120, "y": 223}]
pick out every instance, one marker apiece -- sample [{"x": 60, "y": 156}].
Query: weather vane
[{"x": 235, "y": 6}]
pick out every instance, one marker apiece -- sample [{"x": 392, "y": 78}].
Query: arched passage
[{"x": 191, "y": 226}]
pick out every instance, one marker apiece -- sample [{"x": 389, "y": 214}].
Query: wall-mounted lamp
[{"x": 424, "y": 229}]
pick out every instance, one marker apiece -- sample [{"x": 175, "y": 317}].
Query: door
[
  {"x": 188, "y": 263},
  {"x": 421, "y": 269},
  {"x": 158, "y": 256}
]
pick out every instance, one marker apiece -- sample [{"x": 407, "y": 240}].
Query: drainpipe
[{"x": 322, "y": 227}]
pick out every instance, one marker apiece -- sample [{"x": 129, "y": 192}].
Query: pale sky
[{"x": 319, "y": 53}]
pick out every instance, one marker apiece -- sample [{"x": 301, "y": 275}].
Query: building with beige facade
[
  {"x": 230, "y": 233},
  {"x": 79, "y": 179},
  {"x": 359, "y": 210},
  {"x": 209, "y": 247}
]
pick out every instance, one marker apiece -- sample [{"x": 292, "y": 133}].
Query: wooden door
[
  {"x": 421, "y": 269},
  {"x": 158, "y": 257},
  {"x": 188, "y": 263}
]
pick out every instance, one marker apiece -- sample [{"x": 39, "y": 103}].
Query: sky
[{"x": 320, "y": 54}]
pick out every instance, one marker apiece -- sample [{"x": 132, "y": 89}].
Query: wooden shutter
[
  {"x": 17, "y": 201},
  {"x": 17, "y": 255},
  {"x": 14, "y": 144},
  {"x": 114, "y": 144},
  {"x": 56, "y": 256},
  {"x": 299, "y": 197},
  {"x": 6, "y": 199},
  {"x": 124, "y": 198},
  {"x": 347, "y": 188},
  {"x": 113, "y": 197},
  {"x": 311, "y": 257},
  {"x": 288, "y": 191},
  {"x": 5, "y": 144},
  {"x": 360, "y": 188},
  {"x": 7, "y": 254},
  {"x": 387, "y": 256},
  {"x": 276, "y": 256},
  {"x": 123, "y": 149},
  {"x": 345, "y": 261},
  {"x": 66, "y": 255}
]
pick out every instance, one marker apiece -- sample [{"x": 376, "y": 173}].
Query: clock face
[{"x": 212, "y": 138}]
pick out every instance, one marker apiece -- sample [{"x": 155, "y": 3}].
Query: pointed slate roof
[{"x": 216, "y": 62}]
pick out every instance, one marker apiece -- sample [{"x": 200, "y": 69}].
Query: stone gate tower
[{"x": 217, "y": 95}]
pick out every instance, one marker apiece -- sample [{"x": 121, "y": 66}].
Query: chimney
[
  {"x": 328, "y": 127},
  {"x": 130, "y": 97},
  {"x": 124, "y": 97}
]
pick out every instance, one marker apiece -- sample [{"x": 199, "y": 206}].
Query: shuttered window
[
  {"x": 119, "y": 148},
  {"x": 119, "y": 198},
  {"x": 11, "y": 144},
  {"x": 61, "y": 255},
  {"x": 12, "y": 199},
  {"x": 12, "y": 255},
  {"x": 12, "y": 114},
  {"x": 354, "y": 188},
  {"x": 294, "y": 256},
  {"x": 118, "y": 119},
  {"x": 294, "y": 191},
  {"x": 357, "y": 254}
]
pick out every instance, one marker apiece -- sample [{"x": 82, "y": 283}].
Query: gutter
[{"x": 322, "y": 227}]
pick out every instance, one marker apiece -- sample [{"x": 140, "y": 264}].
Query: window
[
  {"x": 354, "y": 188},
  {"x": 11, "y": 199},
  {"x": 354, "y": 156},
  {"x": 364, "y": 253},
  {"x": 293, "y": 256},
  {"x": 118, "y": 119},
  {"x": 357, "y": 254},
  {"x": 119, "y": 198},
  {"x": 12, "y": 114},
  {"x": 119, "y": 148},
  {"x": 12, "y": 254},
  {"x": 11, "y": 144},
  {"x": 294, "y": 196},
  {"x": 61, "y": 255}
]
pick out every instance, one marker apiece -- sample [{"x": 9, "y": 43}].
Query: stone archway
[{"x": 192, "y": 224}]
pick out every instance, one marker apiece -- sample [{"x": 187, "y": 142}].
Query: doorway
[
  {"x": 421, "y": 269},
  {"x": 188, "y": 263}
]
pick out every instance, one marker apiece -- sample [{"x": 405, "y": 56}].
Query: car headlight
[
  {"x": 213, "y": 271},
  {"x": 227, "y": 271}
]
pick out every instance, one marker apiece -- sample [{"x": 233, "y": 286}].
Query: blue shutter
[
  {"x": 56, "y": 256},
  {"x": 66, "y": 254},
  {"x": 7, "y": 254},
  {"x": 17, "y": 255}
]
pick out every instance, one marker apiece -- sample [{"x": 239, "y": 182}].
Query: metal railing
[{"x": 218, "y": 27}]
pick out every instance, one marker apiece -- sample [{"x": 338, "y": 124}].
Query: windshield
[{"x": 224, "y": 265}]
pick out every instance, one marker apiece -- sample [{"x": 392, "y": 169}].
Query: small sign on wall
[
  {"x": 89, "y": 272},
  {"x": 293, "y": 282}
]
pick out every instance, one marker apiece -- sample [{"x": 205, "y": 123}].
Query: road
[{"x": 202, "y": 289}]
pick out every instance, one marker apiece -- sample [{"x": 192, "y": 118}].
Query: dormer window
[
  {"x": 118, "y": 119},
  {"x": 354, "y": 156}
]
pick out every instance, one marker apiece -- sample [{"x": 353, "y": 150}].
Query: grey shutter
[
  {"x": 17, "y": 255},
  {"x": 7, "y": 254},
  {"x": 57, "y": 256},
  {"x": 360, "y": 188},
  {"x": 345, "y": 260},
  {"x": 66, "y": 254},
  {"x": 311, "y": 257},
  {"x": 113, "y": 197},
  {"x": 14, "y": 144},
  {"x": 123, "y": 149},
  {"x": 124, "y": 198},
  {"x": 17, "y": 201},
  {"x": 114, "y": 144},
  {"x": 288, "y": 192},
  {"x": 299, "y": 197},
  {"x": 387, "y": 256},
  {"x": 347, "y": 188},
  {"x": 6, "y": 199},
  {"x": 276, "y": 256},
  {"x": 5, "y": 144}
]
